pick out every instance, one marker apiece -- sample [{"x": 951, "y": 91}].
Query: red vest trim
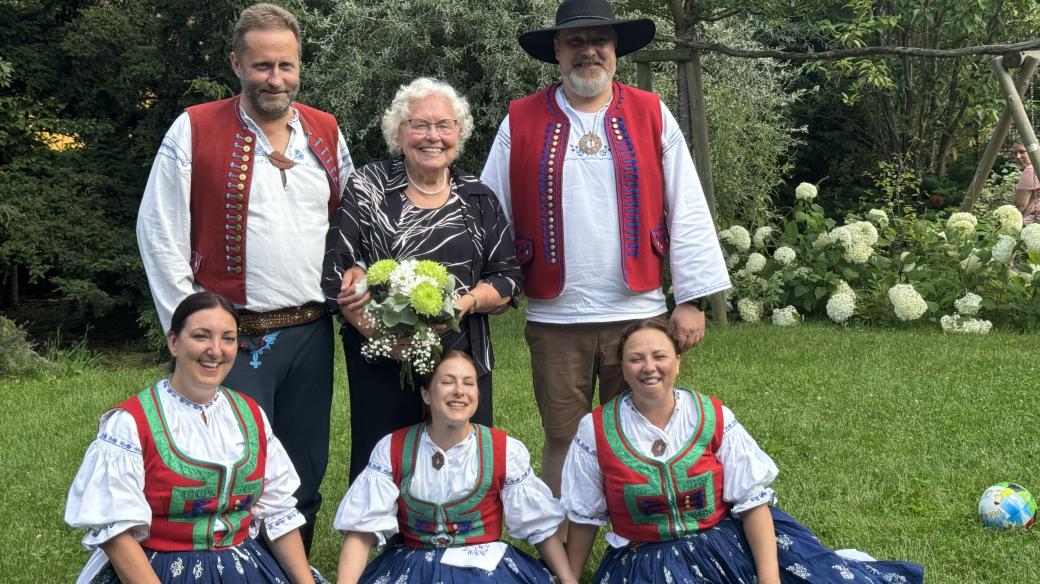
[
  {"x": 649, "y": 500},
  {"x": 187, "y": 496},
  {"x": 221, "y": 179},
  {"x": 473, "y": 518},
  {"x": 538, "y": 131}
]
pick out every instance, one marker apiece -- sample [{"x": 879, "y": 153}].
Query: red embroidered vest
[
  {"x": 221, "y": 177},
  {"x": 538, "y": 131},
  {"x": 188, "y": 496},
  {"x": 471, "y": 519},
  {"x": 648, "y": 500}
]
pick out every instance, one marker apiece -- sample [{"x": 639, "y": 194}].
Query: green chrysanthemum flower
[
  {"x": 426, "y": 299},
  {"x": 379, "y": 272},
  {"x": 433, "y": 270}
]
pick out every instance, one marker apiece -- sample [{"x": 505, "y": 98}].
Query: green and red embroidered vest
[
  {"x": 195, "y": 504},
  {"x": 650, "y": 500},
  {"x": 538, "y": 132},
  {"x": 222, "y": 153},
  {"x": 473, "y": 518}
]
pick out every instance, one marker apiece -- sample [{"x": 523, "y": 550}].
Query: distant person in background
[
  {"x": 1027, "y": 192},
  {"x": 185, "y": 476},
  {"x": 238, "y": 203}
]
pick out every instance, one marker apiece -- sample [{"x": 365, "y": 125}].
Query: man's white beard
[{"x": 586, "y": 86}]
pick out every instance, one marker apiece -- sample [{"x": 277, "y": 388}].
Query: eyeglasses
[{"x": 443, "y": 127}]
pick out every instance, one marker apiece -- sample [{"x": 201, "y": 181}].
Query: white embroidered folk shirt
[
  {"x": 285, "y": 231},
  {"x": 370, "y": 505},
  {"x": 748, "y": 472},
  {"x": 594, "y": 290},
  {"x": 107, "y": 495}
]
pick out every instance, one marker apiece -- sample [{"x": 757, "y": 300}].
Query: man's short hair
[{"x": 267, "y": 17}]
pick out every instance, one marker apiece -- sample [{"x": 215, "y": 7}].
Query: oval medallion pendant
[
  {"x": 658, "y": 447},
  {"x": 590, "y": 143},
  {"x": 438, "y": 460}
]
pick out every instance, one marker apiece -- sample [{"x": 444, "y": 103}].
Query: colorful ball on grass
[{"x": 1007, "y": 505}]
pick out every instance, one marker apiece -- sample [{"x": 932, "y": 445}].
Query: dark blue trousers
[{"x": 289, "y": 373}]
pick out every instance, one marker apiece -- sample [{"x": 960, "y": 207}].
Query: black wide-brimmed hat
[{"x": 632, "y": 35}]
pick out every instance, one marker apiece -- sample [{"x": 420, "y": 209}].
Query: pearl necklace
[{"x": 420, "y": 189}]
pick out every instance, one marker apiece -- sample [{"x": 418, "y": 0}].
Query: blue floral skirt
[
  {"x": 721, "y": 555},
  {"x": 247, "y": 563},
  {"x": 400, "y": 564}
]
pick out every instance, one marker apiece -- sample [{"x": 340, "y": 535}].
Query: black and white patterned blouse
[{"x": 468, "y": 234}]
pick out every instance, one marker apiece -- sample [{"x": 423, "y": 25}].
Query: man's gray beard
[
  {"x": 270, "y": 111},
  {"x": 588, "y": 87}
]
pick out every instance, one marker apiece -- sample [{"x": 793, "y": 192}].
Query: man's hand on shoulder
[{"x": 688, "y": 321}]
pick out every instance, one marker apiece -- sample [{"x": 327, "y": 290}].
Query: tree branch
[{"x": 858, "y": 52}]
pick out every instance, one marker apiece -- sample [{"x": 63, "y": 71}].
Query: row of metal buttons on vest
[
  {"x": 237, "y": 183},
  {"x": 549, "y": 193}
]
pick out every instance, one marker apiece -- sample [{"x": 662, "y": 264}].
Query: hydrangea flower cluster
[
  {"x": 1009, "y": 218},
  {"x": 841, "y": 307},
  {"x": 1004, "y": 248},
  {"x": 907, "y": 302},
  {"x": 805, "y": 192},
  {"x": 963, "y": 222},
  {"x": 762, "y": 236},
  {"x": 407, "y": 299},
  {"x": 878, "y": 216},
  {"x": 965, "y": 324},
  {"x": 756, "y": 262},
  {"x": 786, "y": 316},
  {"x": 857, "y": 238},
  {"x": 822, "y": 240},
  {"x": 784, "y": 255},
  {"x": 1031, "y": 236},
  {"x": 750, "y": 310},
  {"x": 737, "y": 236},
  {"x": 844, "y": 288},
  {"x": 969, "y": 304},
  {"x": 972, "y": 263}
]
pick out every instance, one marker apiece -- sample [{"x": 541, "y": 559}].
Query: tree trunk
[{"x": 11, "y": 286}]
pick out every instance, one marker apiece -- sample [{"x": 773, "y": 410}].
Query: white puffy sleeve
[
  {"x": 697, "y": 265},
  {"x": 582, "y": 491},
  {"x": 164, "y": 222},
  {"x": 747, "y": 470},
  {"x": 276, "y": 507},
  {"x": 370, "y": 505},
  {"x": 107, "y": 496},
  {"x": 531, "y": 512},
  {"x": 496, "y": 170}
]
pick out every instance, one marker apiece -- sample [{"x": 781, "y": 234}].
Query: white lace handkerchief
[{"x": 485, "y": 556}]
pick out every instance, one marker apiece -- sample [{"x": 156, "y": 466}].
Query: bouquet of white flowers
[{"x": 408, "y": 298}]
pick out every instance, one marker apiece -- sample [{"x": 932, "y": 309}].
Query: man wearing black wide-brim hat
[{"x": 600, "y": 188}]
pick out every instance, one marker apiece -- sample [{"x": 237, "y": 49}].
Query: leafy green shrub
[{"x": 17, "y": 357}]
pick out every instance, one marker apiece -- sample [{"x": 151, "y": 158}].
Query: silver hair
[{"x": 417, "y": 89}]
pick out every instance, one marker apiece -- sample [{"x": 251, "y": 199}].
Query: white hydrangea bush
[{"x": 888, "y": 265}]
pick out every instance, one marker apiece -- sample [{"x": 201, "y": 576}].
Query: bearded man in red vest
[
  {"x": 238, "y": 203},
  {"x": 600, "y": 189}
]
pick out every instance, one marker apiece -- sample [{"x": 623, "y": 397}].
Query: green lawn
[{"x": 884, "y": 439}]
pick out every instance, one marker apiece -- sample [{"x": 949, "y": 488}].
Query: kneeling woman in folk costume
[
  {"x": 184, "y": 476},
  {"x": 686, "y": 489},
  {"x": 448, "y": 487}
]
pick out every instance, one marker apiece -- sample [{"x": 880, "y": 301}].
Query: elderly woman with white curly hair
[{"x": 417, "y": 205}]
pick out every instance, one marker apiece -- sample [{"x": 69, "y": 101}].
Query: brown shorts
[{"x": 566, "y": 361}]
